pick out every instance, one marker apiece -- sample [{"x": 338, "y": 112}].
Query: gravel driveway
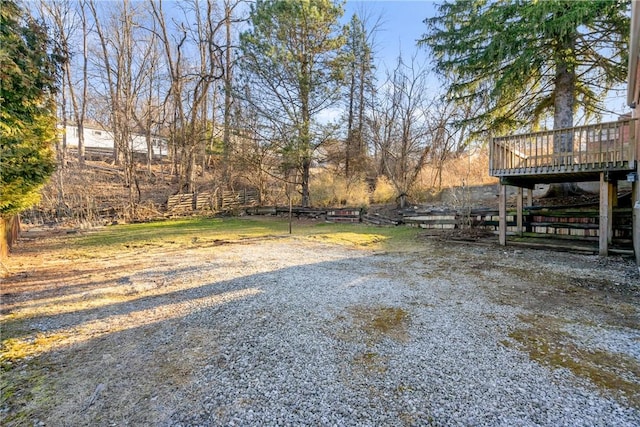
[{"x": 293, "y": 332}]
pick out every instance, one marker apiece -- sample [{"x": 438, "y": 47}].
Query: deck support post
[
  {"x": 502, "y": 215},
  {"x": 613, "y": 202},
  {"x": 635, "y": 227},
  {"x": 529, "y": 196},
  {"x": 519, "y": 201},
  {"x": 635, "y": 189},
  {"x": 605, "y": 216}
]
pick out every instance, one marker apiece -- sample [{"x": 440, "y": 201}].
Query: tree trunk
[
  {"x": 306, "y": 168},
  {"x": 62, "y": 147},
  {"x": 348, "y": 148},
  {"x": 564, "y": 102},
  {"x": 402, "y": 201},
  {"x": 85, "y": 83},
  {"x": 226, "y": 137},
  {"x": 9, "y": 231}
]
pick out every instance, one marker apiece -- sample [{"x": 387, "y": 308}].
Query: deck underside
[{"x": 529, "y": 177}]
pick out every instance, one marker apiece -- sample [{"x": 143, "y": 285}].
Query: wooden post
[
  {"x": 603, "y": 226},
  {"x": 635, "y": 227},
  {"x": 519, "y": 200},
  {"x": 529, "y": 196},
  {"x": 502, "y": 216},
  {"x": 613, "y": 202},
  {"x": 635, "y": 192}
]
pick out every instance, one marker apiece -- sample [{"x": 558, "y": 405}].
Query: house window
[{"x": 97, "y": 132}]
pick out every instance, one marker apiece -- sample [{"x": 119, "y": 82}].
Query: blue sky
[
  {"x": 400, "y": 27},
  {"x": 402, "y": 24}
]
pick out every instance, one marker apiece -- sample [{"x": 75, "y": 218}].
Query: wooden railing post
[{"x": 502, "y": 216}]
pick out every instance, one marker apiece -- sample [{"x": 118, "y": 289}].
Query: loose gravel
[{"x": 292, "y": 333}]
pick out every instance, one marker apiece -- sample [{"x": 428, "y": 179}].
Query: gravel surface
[{"x": 288, "y": 332}]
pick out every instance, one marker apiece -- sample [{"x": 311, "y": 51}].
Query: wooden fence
[{"x": 212, "y": 201}]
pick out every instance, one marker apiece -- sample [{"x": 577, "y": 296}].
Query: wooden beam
[
  {"x": 605, "y": 217},
  {"x": 502, "y": 215},
  {"x": 529, "y": 196},
  {"x": 519, "y": 200}
]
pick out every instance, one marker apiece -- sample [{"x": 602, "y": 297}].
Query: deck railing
[{"x": 593, "y": 147}]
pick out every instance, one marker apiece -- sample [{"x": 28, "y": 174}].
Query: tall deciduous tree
[
  {"x": 190, "y": 78},
  {"x": 401, "y": 127},
  {"x": 64, "y": 18},
  {"x": 293, "y": 58},
  {"x": 124, "y": 65},
  {"x": 28, "y": 81},
  {"x": 530, "y": 60},
  {"x": 229, "y": 65}
]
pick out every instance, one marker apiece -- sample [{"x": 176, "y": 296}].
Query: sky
[{"x": 401, "y": 25}]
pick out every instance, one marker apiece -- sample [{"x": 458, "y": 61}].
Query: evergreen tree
[
  {"x": 293, "y": 61},
  {"x": 28, "y": 76},
  {"x": 528, "y": 60},
  {"x": 360, "y": 77}
]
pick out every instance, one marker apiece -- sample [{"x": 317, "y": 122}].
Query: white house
[{"x": 100, "y": 141}]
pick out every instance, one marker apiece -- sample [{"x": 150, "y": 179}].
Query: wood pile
[{"x": 440, "y": 219}]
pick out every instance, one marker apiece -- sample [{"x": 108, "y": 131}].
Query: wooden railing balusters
[{"x": 589, "y": 148}]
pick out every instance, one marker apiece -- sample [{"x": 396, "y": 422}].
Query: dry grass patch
[{"x": 382, "y": 322}]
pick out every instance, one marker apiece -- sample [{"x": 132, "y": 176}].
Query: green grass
[
  {"x": 212, "y": 231},
  {"x": 178, "y": 231}
]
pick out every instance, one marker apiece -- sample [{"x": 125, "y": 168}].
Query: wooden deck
[
  {"x": 565, "y": 155},
  {"x": 605, "y": 152}
]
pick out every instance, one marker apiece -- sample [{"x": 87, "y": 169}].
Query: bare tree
[
  {"x": 229, "y": 64},
  {"x": 147, "y": 112},
  {"x": 125, "y": 64},
  {"x": 401, "y": 126},
  {"x": 189, "y": 81},
  {"x": 450, "y": 136},
  {"x": 64, "y": 17}
]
